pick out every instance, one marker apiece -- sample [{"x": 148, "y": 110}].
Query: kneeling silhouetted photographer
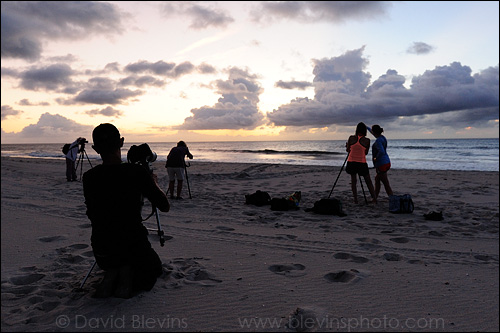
[{"x": 114, "y": 193}]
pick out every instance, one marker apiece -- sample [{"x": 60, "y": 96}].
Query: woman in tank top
[{"x": 358, "y": 146}]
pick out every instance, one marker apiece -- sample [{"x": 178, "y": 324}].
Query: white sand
[{"x": 236, "y": 267}]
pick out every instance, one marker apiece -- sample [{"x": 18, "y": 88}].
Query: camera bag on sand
[
  {"x": 259, "y": 198},
  {"x": 330, "y": 206},
  {"x": 401, "y": 204},
  {"x": 290, "y": 202},
  {"x": 65, "y": 148}
]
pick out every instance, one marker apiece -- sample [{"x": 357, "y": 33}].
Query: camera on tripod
[
  {"x": 82, "y": 142},
  {"x": 142, "y": 155}
]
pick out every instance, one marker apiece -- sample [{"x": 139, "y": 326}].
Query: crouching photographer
[{"x": 114, "y": 193}]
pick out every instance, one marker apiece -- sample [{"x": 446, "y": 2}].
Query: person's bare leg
[
  {"x": 369, "y": 183},
  {"x": 179, "y": 188},
  {"x": 377, "y": 185},
  {"x": 171, "y": 185},
  {"x": 385, "y": 181},
  {"x": 353, "y": 187}
]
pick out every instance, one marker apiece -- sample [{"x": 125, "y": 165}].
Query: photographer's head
[
  {"x": 107, "y": 140},
  {"x": 181, "y": 144}
]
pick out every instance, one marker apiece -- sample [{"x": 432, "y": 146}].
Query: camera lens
[{"x": 152, "y": 157}]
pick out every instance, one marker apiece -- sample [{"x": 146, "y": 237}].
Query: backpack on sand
[
  {"x": 290, "y": 202},
  {"x": 330, "y": 206},
  {"x": 401, "y": 204},
  {"x": 259, "y": 198}
]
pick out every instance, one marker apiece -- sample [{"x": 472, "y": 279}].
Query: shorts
[
  {"x": 175, "y": 173},
  {"x": 383, "y": 168},
  {"x": 354, "y": 168}
]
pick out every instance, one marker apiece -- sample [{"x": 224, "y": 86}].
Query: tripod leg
[
  {"x": 187, "y": 181},
  {"x": 87, "y": 276},
  {"x": 362, "y": 188},
  {"x": 88, "y": 159},
  {"x": 81, "y": 165},
  {"x": 160, "y": 232},
  {"x": 342, "y": 168}
]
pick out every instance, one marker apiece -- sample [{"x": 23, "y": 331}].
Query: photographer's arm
[
  {"x": 188, "y": 153},
  {"x": 157, "y": 196}
]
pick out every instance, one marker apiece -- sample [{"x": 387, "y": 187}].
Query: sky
[{"x": 164, "y": 71}]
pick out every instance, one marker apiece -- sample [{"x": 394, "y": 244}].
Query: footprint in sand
[
  {"x": 368, "y": 240},
  {"x": 189, "y": 271},
  {"x": 436, "y": 233},
  {"x": 482, "y": 257},
  {"x": 49, "y": 239},
  {"x": 26, "y": 279},
  {"x": 306, "y": 319},
  {"x": 292, "y": 270},
  {"x": 223, "y": 228},
  {"x": 352, "y": 275},
  {"x": 401, "y": 240},
  {"x": 347, "y": 256},
  {"x": 392, "y": 257}
]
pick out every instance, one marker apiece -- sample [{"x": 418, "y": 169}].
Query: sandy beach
[{"x": 229, "y": 266}]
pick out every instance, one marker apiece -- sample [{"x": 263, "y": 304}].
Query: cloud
[
  {"x": 107, "y": 111},
  {"x": 162, "y": 68},
  {"x": 420, "y": 48},
  {"x": 8, "y": 111},
  {"x": 302, "y": 85},
  {"x": 202, "y": 16},
  {"x": 26, "y": 102},
  {"x": 316, "y": 11},
  {"x": 99, "y": 96},
  {"x": 26, "y": 25},
  {"x": 55, "y": 127},
  {"x": 344, "y": 97},
  {"x": 236, "y": 109},
  {"x": 141, "y": 81},
  {"x": 55, "y": 77}
]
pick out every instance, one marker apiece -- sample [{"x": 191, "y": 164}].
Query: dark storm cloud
[
  {"x": 343, "y": 95},
  {"x": 202, "y": 15},
  {"x": 236, "y": 109},
  {"x": 314, "y": 11},
  {"x": 53, "y": 126},
  {"x": 107, "y": 111},
  {"x": 8, "y": 111},
  {"x": 420, "y": 48},
  {"x": 301, "y": 85},
  {"x": 25, "y": 25}
]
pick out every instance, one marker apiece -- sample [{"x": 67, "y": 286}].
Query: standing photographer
[
  {"x": 114, "y": 194},
  {"x": 71, "y": 157},
  {"x": 175, "y": 167}
]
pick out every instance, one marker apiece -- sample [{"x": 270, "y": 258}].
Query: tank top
[{"x": 357, "y": 153}]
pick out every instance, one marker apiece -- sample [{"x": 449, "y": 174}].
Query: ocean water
[{"x": 428, "y": 154}]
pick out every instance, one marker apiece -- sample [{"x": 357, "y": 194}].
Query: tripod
[
  {"x": 360, "y": 181},
  {"x": 187, "y": 165},
  {"x": 338, "y": 175},
  {"x": 80, "y": 159}
]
